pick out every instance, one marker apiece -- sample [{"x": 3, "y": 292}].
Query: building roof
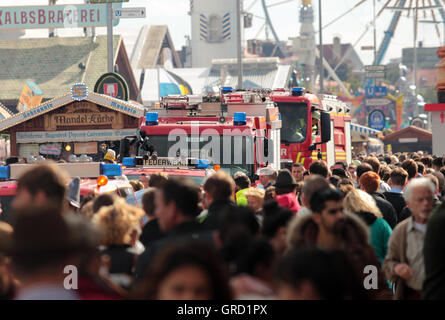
[
  {"x": 412, "y": 131},
  {"x": 346, "y": 48},
  {"x": 4, "y": 112},
  {"x": 148, "y": 48},
  {"x": 257, "y": 73},
  {"x": 54, "y": 64},
  {"x": 128, "y": 108}
]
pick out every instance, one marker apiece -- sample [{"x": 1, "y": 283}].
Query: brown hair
[
  {"x": 148, "y": 202},
  {"x": 374, "y": 162},
  {"x": 47, "y": 178},
  {"x": 220, "y": 185},
  {"x": 176, "y": 256},
  {"x": 399, "y": 176},
  {"x": 158, "y": 179},
  {"x": 136, "y": 185},
  {"x": 411, "y": 167}
]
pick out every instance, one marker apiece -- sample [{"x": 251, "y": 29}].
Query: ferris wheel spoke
[{"x": 279, "y": 3}]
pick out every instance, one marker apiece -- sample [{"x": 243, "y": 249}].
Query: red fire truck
[
  {"x": 234, "y": 131},
  {"x": 95, "y": 178},
  {"x": 313, "y": 127}
]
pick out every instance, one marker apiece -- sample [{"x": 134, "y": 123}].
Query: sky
[{"x": 174, "y": 14}]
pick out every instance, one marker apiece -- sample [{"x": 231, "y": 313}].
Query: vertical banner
[{"x": 399, "y": 111}]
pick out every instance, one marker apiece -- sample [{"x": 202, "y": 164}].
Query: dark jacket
[
  {"x": 386, "y": 209},
  {"x": 150, "y": 233},
  {"x": 211, "y": 222},
  {"x": 122, "y": 260},
  {"x": 433, "y": 255},
  {"x": 186, "y": 231},
  {"x": 397, "y": 201}
]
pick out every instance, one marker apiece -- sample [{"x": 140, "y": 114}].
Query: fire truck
[
  {"x": 233, "y": 131},
  {"x": 96, "y": 178},
  {"x": 313, "y": 127}
]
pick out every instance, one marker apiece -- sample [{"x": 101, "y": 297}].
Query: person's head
[
  {"x": 385, "y": 173},
  {"x": 362, "y": 168},
  {"x": 434, "y": 180},
  {"x": 103, "y": 200},
  {"x": 117, "y": 222},
  {"x": 267, "y": 175},
  {"x": 136, "y": 185},
  {"x": 334, "y": 180},
  {"x": 274, "y": 229},
  {"x": 420, "y": 168},
  {"x": 314, "y": 274},
  {"x": 258, "y": 259},
  {"x": 387, "y": 159},
  {"x": 398, "y": 178},
  {"x": 340, "y": 165},
  {"x": 319, "y": 167},
  {"x": 285, "y": 182},
  {"x": 411, "y": 167},
  {"x": 326, "y": 208},
  {"x": 345, "y": 185},
  {"x": 218, "y": 187},
  {"x": 158, "y": 179},
  {"x": 145, "y": 180},
  {"x": 298, "y": 171},
  {"x": 236, "y": 226},
  {"x": 339, "y": 172},
  {"x": 441, "y": 179},
  {"x": 311, "y": 186},
  {"x": 41, "y": 243},
  {"x": 374, "y": 162},
  {"x": 357, "y": 201},
  {"x": 352, "y": 169},
  {"x": 418, "y": 196},
  {"x": 394, "y": 159},
  {"x": 369, "y": 181},
  {"x": 176, "y": 202},
  {"x": 187, "y": 271},
  {"x": 148, "y": 202},
  {"x": 242, "y": 182},
  {"x": 437, "y": 163},
  {"x": 255, "y": 198},
  {"x": 269, "y": 193},
  {"x": 44, "y": 184}
]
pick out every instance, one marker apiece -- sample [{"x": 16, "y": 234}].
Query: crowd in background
[{"x": 369, "y": 229}]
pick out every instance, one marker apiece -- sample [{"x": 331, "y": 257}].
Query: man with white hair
[
  {"x": 404, "y": 263},
  {"x": 268, "y": 176}
]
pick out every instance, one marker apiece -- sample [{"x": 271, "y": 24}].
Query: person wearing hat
[
  {"x": 316, "y": 115},
  {"x": 285, "y": 188},
  {"x": 110, "y": 156},
  {"x": 267, "y": 175}
]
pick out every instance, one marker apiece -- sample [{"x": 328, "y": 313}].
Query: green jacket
[{"x": 380, "y": 233}]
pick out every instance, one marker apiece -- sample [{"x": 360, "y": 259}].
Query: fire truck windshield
[
  {"x": 214, "y": 148},
  {"x": 294, "y": 121}
]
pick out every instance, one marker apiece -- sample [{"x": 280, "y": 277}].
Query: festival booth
[
  {"x": 410, "y": 139},
  {"x": 79, "y": 122},
  {"x": 364, "y": 139}
]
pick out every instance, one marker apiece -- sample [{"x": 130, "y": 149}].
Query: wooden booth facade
[
  {"x": 64, "y": 126},
  {"x": 410, "y": 139}
]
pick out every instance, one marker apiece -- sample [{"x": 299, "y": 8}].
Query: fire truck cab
[
  {"x": 234, "y": 131},
  {"x": 314, "y": 127}
]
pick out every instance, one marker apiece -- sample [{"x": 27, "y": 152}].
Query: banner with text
[{"x": 73, "y": 136}]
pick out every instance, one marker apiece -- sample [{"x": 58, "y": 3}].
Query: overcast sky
[{"x": 173, "y": 13}]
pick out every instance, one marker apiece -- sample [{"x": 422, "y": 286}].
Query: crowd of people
[{"x": 368, "y": 230}]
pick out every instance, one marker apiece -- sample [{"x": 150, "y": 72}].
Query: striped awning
[{"x": 362, "y": 129}]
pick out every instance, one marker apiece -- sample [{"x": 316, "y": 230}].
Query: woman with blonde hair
[
  {"x": 119, "y": 224},
  {"x": 362, "y": 204}
]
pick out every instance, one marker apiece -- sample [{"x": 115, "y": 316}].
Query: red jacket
[{"x": 289, "y": 201}]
